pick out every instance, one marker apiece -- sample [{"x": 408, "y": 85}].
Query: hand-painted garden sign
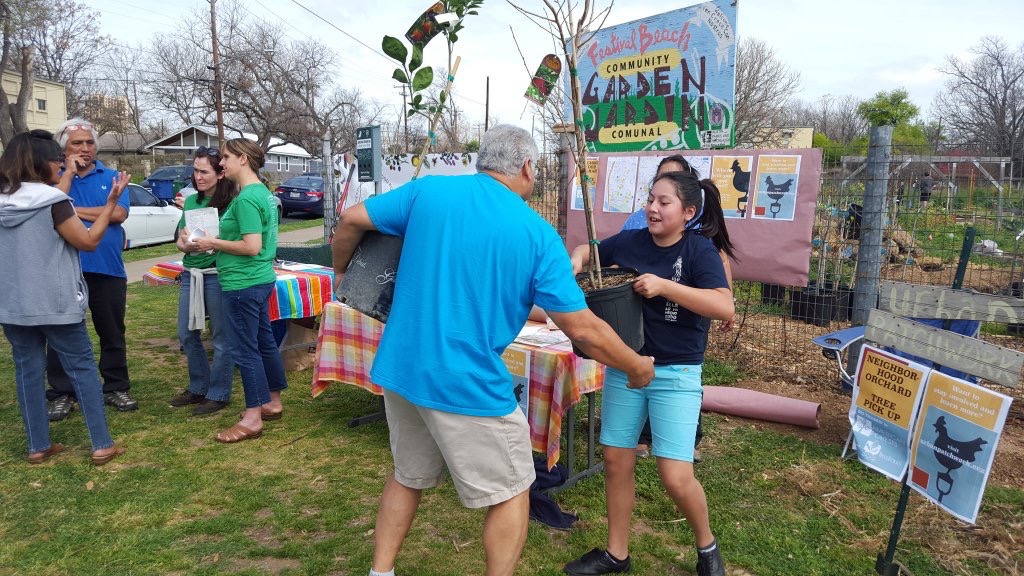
[{"x": 544, "y": 80}]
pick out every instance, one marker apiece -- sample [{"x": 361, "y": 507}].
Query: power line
[{"x": 332, "y": 25}]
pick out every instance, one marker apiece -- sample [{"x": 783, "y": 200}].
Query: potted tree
[{"x": 609, "y": 291}]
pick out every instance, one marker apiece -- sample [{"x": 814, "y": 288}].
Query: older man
[
  {"x": 87, "y": 181},
  {"x": 475, "y": 259}
]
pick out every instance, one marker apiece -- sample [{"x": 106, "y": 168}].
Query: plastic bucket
[{"x": 619, "y": 306}]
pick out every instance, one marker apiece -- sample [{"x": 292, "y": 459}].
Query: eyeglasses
[
  {"x": 73, "y": 127},
  {"x": 204, "y": 151}
]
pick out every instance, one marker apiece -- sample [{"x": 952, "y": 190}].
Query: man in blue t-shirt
[
  {"x": 88, "y": 181},
  {"x": 475, "y": 259}
]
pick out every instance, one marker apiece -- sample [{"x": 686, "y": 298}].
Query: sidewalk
[{"x": 135, "y": 270}]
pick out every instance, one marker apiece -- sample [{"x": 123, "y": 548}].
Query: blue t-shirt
[
  {"x": 672, "y": 334},
  {"x": 91, "y": 191},
  {"x": 475, "y": 258}
]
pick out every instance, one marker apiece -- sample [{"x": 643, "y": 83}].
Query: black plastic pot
[
  {"x": 821, "y": 307},
  {"x": 773, "y": 294},
  {"x": 369, "y": 282},
  {"x": 619, "y": 306}
]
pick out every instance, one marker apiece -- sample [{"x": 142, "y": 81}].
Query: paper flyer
[
  {"x": 886, "y": 395},
  {"x": 202, "y": 222},
  {"x": 577, "y": 190},
  {"x": 518, "y": 363},
  {"x": 955, "y": 443},
  {"x": 777, "y": 180},
  {"x": 620, "y": 184}
]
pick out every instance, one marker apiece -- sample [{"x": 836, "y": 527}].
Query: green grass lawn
[
  {"x": 302, "y": 499},
  {"x": 169, "y": 248}
]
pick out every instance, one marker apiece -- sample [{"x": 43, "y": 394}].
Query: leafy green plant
[{"x": 412, "y": 73}]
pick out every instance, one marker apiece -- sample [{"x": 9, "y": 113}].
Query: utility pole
[
  {"x": 216, "y": 74},
  {"x": 487, "y": 102},
  {"x": 405, "y": 118}
]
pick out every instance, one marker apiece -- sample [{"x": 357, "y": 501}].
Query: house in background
[
  {"x": 48, "y": 108},
  {"x": 283, "y": 160}
]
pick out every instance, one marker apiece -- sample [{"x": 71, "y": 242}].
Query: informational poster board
[
  {"x": 518, "y": 363},
  {"x": 773, "y": 250},
  {"x": 886, "y": 395},
  {"x": 955, "y": 443},
  {"x": 665, "y": 82}
]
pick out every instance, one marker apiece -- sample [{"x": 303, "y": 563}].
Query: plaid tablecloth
[
  {"x": 297, "y": 293},
  {"x": 348, "y": 342}
]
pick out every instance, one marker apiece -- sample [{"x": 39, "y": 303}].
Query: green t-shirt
[
  {"x": 196, "y": 259},
  {"x": 251, "y": 212}
]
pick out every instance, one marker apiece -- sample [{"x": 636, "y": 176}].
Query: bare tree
[
  {"x": 834, "y": 116},
  {"x": 983, "y": 104},
  {"x": 18, "y": 18},
  {"x": 572, "y": 24},
  {"x": 764, "y": 88},
  {"x": 272, "y": 86},
  {"x": 69, "y": 46}
]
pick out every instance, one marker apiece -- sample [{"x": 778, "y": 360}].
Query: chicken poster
[
  {"x": 955, "y": 443},
  {"x": 777, "y": 181},
  {"x": 518, "y": 363},
  {"x": 732, "y": 176},
  {"x": 665, "y": 82},
  {"x": 886, "y": 395}
]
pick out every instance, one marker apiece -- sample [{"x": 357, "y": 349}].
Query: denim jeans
[
  {"x": 71, "y": 344},
  {"x": 252, "y": 342},
  {"x": 107, "y": 300},
  {"x": 212, "y": 380}
]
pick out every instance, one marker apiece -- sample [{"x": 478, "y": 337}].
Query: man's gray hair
[
  {"x": 72, "y": 125},
  {"x": 505, "y": 148}
]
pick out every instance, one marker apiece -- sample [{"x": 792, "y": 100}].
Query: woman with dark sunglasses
[
  {"x": 45, "y": 295},
  {"x": 209, "y": 383},
  {"x": 245, "y": 262}
]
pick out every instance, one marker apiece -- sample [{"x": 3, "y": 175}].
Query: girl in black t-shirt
[{"x": 684, "y": 286}]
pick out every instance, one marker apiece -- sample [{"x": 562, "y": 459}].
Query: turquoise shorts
[{"x": 672, "y": 401}]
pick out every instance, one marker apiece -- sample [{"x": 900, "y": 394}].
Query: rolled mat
[{"x": 761, "y": 406}]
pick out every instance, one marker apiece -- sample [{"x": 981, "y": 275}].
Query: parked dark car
[
  {"x": 181, "y": 174},
  {"x": 302, "y": 194}
]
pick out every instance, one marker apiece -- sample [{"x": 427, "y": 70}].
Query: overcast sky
[{"x": 853, "y": 47}]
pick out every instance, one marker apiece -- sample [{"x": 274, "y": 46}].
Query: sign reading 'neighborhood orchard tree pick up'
[{"x": 666, "y": 82}]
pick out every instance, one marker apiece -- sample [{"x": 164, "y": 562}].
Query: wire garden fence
[{"x": 933, "y": 200}]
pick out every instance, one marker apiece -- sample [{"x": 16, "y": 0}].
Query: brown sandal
[
  {"x": 40, "y": 457},
  {"x": 237, "y": 433},
  {"x": 101, "y": 460},
  {"x": 266, "y": 414}
]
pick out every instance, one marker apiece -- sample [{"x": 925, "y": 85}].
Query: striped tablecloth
[
  {"x": 348, "y": 342},
  {"x": 297, "y": 293}
]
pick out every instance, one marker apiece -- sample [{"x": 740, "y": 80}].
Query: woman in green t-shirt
[
  {"x": 209, "y": 384},
  {"x": 245, "y": 254}
]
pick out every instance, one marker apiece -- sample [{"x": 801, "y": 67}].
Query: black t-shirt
[
  {"x": 61, "y": 211},
  {"x": 672, "y": 334}
]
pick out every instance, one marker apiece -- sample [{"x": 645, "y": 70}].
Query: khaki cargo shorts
[{"x": 489, "y": 457}]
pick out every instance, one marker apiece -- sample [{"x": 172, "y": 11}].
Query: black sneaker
[
  {"x": 121, "y": 400},
  {"x": 597, "y": 561},
  {"x": 60, "y": 408},
  {"x": 208, "y": 407},
  {"x": 710, "y": 563},
  {"x": 185, "y": 398}
]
